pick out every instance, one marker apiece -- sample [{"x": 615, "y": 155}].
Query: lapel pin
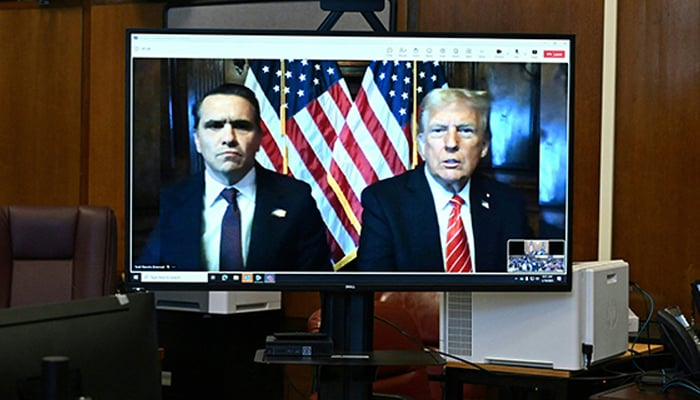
[
  {"x": 485, "y": 202},
  {"x": 279, "y": 213}
]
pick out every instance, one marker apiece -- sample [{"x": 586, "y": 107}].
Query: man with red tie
[{"x": 444, "y": 215}]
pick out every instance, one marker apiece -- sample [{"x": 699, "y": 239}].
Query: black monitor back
[{"x": 111, "y": 344}]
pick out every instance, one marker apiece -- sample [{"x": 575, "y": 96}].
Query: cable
[
  {"x": 683, "y": 383},
  {"x": 427, "y": 348},
  {"x": 645, "y": 326},
  {"x": 587, "y": 350}
]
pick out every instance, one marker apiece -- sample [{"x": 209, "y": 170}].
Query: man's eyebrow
[
  {"x": 458, "y": 125},
  {"x": 240, "y": 123},
  {"x": 211, "y": 122}
]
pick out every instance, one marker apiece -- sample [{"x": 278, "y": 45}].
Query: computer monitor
[
  {"x": 110, "y": 343},
  {"x": 357, "y": 124}
]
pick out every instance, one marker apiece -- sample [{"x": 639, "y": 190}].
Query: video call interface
[{"x": 340, "y": 112}]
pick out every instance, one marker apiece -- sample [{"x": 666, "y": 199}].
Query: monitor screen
[
  {"x": 345, "y": 179},
  {"x": 110, "y": 344}
]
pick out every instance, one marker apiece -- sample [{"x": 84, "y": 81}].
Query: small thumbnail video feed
[{"x": 544, "y": 256}]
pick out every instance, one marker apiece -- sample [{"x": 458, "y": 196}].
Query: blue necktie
[{"x": 230, "y": 256}]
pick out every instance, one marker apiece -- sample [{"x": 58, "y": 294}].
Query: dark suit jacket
[
  {"x": 294, "y": 242},
  {"x": 400, "y": 230}
]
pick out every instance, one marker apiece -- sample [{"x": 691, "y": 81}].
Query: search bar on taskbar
[{"x": 174, "y": 276}]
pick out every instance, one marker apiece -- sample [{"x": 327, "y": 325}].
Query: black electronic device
[
  {"x": 357, "y": 5},
  {"x": 681, "y": 340},
  {"x": 340, "y": 112},
  {"x": 356, "y": 124},
  {"x": 298, "y": 344},
  {"x": 106, "y": 347}
]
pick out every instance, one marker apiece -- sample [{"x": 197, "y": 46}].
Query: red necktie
[
  {"x": 458, "y": 258},
  {"x": 230, "y": 258}
]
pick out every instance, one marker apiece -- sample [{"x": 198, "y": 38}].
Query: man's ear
[
  {"x": 421, "y": 144},
  {"x": 485, "y": 149},
  {"x": 196, "y": 141}
]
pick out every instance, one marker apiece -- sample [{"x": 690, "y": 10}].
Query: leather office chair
[{"x": 56, "y": 253}]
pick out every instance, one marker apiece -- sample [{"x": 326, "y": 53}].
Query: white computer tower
[
  {"x": 218, "y": 302},
  {"x": 547, "y": 330}
]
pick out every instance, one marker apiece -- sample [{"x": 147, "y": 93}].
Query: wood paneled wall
[
  {"x": 40, "y": 105},
  {"x": 62, "y": 118},
  {"x": 106, "y": 158},
  {"x": 656, "y": 217}
]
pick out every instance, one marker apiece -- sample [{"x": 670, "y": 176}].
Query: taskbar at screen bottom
[{"x": 260, "y": 280}]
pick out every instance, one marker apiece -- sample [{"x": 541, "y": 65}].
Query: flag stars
[
  {"x": 266, "y": 69},
  {"x": 300, "y": 93}
]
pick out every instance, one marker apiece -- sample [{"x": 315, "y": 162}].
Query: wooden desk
[
  {"x": 635, "y": 391},
  {"x": 513, "y": 378}
]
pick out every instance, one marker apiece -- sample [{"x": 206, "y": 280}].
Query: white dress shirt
[{"x": 213, "y": 212}]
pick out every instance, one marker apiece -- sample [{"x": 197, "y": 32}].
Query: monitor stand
[
  {"x": 347, "y": 318},
  {"x": 367, "y": 8},
  {"x": 348, "y": 372}
]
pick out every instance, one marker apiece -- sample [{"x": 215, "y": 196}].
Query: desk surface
[
  {"x": 638, "y": 348},
  {"x": 634, "y": 391}
]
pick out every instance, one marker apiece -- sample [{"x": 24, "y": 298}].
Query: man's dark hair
[{"x": 231, "y": 89}]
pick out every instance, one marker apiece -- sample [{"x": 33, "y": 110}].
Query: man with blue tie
[
  {"x": 444, "y": 215},
  {"x": 236, "y": 215}
]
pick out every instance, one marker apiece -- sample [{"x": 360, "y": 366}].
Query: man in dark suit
[
  {"x": 410, "y": 221},
  {"x": 277, "y": 224}
]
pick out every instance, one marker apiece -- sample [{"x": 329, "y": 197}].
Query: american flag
[{"x": 336, "y": 144}]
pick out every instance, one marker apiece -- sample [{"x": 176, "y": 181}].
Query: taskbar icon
[{"x": 242, "y": 278}]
